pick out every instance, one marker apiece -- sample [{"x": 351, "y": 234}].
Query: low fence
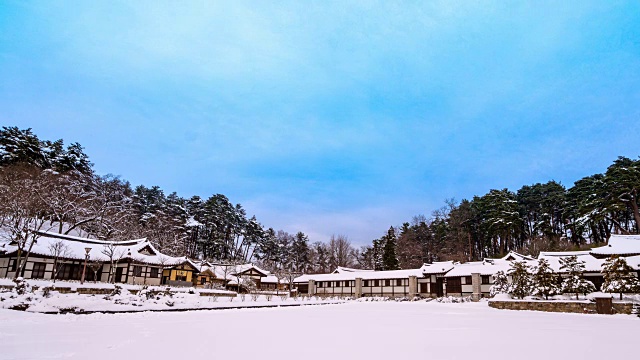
[{"x": 559, "y": 306}]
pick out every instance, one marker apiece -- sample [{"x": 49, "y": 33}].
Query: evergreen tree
[
  {"x": 622, "y": 180},
  {"x": 619, "y": 277},
  {"x": 500, "y": 284},
  {"x": 545, "y": 281},
  {"x": 390, "y": 255},
  {"x": 377, "y": 251},
  {"x": 521, "y": 284},
  {"x": 300, "y": 252},
  {"x": 574, "y": 283}
]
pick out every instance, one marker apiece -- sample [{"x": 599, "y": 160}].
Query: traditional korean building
[{"x": 131, "y": 262}]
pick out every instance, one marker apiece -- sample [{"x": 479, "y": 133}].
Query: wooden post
[{"x": 604, "y": 305}]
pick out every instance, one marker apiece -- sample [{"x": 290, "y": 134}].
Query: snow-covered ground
[
  {"x": 143, "y": 299},
  {"x": 356, "y": 330}
]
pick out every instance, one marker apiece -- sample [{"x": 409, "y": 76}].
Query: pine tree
[
  {"x": 521, "y": 283},
  {"x": 619, "y": 277},
  {"x": 390, "y": 255},
  {"x": 500, "y": 284},
  {"x": 574, "y": 283},
  {"x": 377, "y": 254},
  {"x": 545, "y": 281}
]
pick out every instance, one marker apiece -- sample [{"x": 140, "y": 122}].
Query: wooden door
[
  {"x": 439, "y": 287},
  {"x": 118, "y": 274},
  {"x": 423, "y": 288}
]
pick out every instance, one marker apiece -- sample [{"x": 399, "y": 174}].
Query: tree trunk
[{"x": 636, "y": 211}]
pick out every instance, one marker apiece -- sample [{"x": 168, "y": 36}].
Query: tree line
[
  {"x": 47, "y": 185},
  {"x": 538, "y": 217}
]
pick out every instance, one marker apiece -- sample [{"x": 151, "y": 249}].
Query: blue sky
[{"x": 329, "y": 117}]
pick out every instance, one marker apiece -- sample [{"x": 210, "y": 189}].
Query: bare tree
[
  {"x": 59, "y": 251},
  {"x": 280, "y": 274},
  {"x": 94, "y": 266},
  {"x": 289, "y": 277},
  {"x": 114, "y": 253},
  {"x": 21, "y": 204},
  {"x": 165, "y": 262},
  {"x": 341, "y": 253}
]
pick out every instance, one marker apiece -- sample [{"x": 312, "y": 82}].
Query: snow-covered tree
[
  {"x": 619, "y": 277},
  {"x": 390, "y": 254},
  {"x": 114, "y": 253},
  {"x": 500, "y": 284},
  {"x": 59, "y": 250},
  {"x": 521, "y": 284},
  {"x": 574, "y": 283},
  {"x": 21, "y": 209},
  {"x": 545, "y": 281}
]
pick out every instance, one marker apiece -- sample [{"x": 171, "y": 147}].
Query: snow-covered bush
[
  {"x": 618, "y": 277},
  {"x": 574, "y": 283},
  {"x": 521, "y": 283},
  {"x": 453, "y": 299},
  {"x": 145, "y": 293},
  {"x": 545, "y": 281},
  {"x": 117, "y": 290},
  {"x": 22, "y": 286},
  {"x": 500, "y": 284},
  {"x": 46, "y": 291}
]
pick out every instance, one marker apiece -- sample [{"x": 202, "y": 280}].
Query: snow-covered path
[{"x": 382, "y": 330}]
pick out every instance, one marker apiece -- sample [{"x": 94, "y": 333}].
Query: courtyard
[{"x": 355, "y": 330}]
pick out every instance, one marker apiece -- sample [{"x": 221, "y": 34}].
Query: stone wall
[{"x": 559, "y": 306}]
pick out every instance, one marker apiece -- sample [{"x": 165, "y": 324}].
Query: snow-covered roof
[
  {"x": 512, "y": 255},
  {"x": 625, "y": 245},
  {"x": 341, "y": 269},
  {"x": 479, "y": 267},
  {"x": 592, "y": 264},
  {"x": 272, "y": 279},
  {"x": 438, "y": 267},
  {"x": 247, "y": 267},
  {"x": 140, "y": 250},
  {"x": 365, "y": 275},
  {"x": 228, "y": 272}
]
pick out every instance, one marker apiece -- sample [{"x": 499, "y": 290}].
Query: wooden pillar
[
  {"x": 312, "y": 288},
  {"x": 476, "y": 284},
  {"x": 413, "y": 286},
  {"x": 358, "y": 293}
]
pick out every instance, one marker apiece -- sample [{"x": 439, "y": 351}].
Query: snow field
[{"x": 356, "y": 330}]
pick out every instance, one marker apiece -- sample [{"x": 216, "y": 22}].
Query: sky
[{"x": 327, "y": 117}]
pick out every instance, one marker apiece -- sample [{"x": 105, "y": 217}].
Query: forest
[{"x": 45, "y": 185}]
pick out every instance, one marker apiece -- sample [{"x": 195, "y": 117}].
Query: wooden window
[
  {"x": 154, "y": 272},
  {"x": 398, "y": 282},
  {"x": 203, "y": 280},
  {"x": 12, "y": 264},
  {"x": 38, "y": 270},
  {"x": 366, "y": 283},
  {"x": 454, "y": 285},
  {"x": 376, "y": 283},
  {"x": 70, "y": 272},
  {"x": 485, "y": 279},
  {"x": 468, "y": 280},
  {"x": 387, "y": 282},
  {"x": 137, "y": 270}
]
